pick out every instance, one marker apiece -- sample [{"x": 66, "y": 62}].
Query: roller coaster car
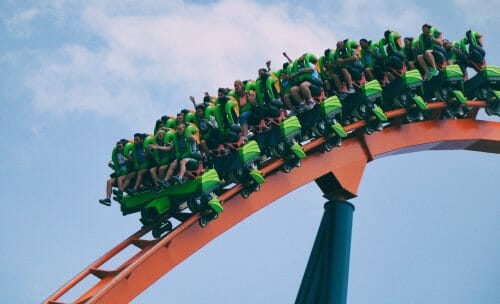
[
  {"x": 448, "y": 87},
  {"x": 240, "y": 166},
  {"x": 289, "y": 147},
  {"x": 323, "y": 120},
  {"x": 157, "y": 207},
  {"x": 405, "y": 92},
  {"x": 485, "y": 85},
  {"x": 365, "y": 103}
]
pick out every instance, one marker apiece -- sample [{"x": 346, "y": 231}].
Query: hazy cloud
[
  {"x": 152, "y": 57},
  {"x": 480, "y": 12},
  {"x": 19, "y": 25}
]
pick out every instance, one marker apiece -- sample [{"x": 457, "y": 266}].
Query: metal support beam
[{"x": 327, "y": 272}]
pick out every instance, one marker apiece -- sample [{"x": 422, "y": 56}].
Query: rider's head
[
  {"x": 180, "y": 129},
  {"x": 363, "y": 43},
  {"x": 426, "y": 28}
]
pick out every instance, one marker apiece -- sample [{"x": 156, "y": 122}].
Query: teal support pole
[{"x": 327, "y": 273}]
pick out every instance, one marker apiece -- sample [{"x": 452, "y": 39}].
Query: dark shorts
[{"x": 355, "y": 69}]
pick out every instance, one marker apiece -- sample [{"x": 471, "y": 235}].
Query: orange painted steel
[{"x": 347, "y": 164}]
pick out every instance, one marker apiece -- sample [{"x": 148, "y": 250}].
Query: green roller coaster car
[
  {"x": 406, "y": 92},
  {"x": 240, "y": 166},
  {"x": 365, "y": 104},
  {"x": 250, "y": 177},
  {"x": 448, "y": 86},
  {"x": 485, "y": 85},
  {"x": 289, "y": 147},
  {"x": 330, "y": 109},
  {"x": 328, "y": 115},
  {"x": 156, "y": 206}
]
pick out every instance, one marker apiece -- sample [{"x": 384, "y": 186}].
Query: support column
[{"x": 327, "y": 272}]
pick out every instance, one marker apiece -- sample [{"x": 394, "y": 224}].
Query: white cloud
[
  {"x": 19, "y": 25},
  {"x": 153, "y": 57}
]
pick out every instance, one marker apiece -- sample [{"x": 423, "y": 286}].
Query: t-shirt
[
  {"x": 182, "y": 145},
  {"x": 122, "y": 161},
  {"x": 141, "y": 158}
]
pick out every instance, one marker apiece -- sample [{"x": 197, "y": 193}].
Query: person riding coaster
[
  {"x": 455, "y": 55},
  {"x": 160, "y": 150},
  {"x": 402, "y": 88},
  {"x": 432, "y": 56},
  {"x": 410, "y": 53},
  {"x": 226, "y": 114},
  {"x": 372, "y": 60},
  {"x": 123, "y": 172},
  {"x": 475, "y": 53},
  {"x": 308, "y": 84},
  {"x": 366, "y": 98},
  {"x": 187, "y": 158},
  {"x": 390, "y": 48},
  {"x": 347, "y": 66},
  {"x": 140, "y": 163},
  {"x": 280, "y": 137}
]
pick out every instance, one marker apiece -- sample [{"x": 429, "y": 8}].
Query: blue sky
[{"x": 76, "y": 77}]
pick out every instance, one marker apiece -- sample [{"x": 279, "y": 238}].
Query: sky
[{"x": 77, "y": 76}]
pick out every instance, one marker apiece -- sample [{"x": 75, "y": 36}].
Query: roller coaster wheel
[
  {"x": 245, "y": 193},
  {"x": 315, "y": 131},
  {"x": 156, "y": 233},
  {"x": 286, "y": 167},
  {"x": 443, "y": 94},
  {"x": 298, "y": 163},
  {"x": 484, "y": 93},
  {"x": 403, "y": 100},
  {"x": 195, "y": 204},
  {"x": 489, "y": 111},
  {"x": 215, "y": 215},
  {"x": 362, "y": 109},
  {"x": 328, "y": 147},
  {"x": 203, "y": 221},
  {"x": 281, "y": 149},
  {"x": 321, "y": 128}
]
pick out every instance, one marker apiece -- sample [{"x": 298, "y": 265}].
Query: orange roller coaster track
[{"x": 338, "y": 173}]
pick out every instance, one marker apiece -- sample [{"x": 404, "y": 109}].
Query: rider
[
  {"x": 391, "y": 49},
  {"x": 161, "y": 149},
  {"x": 183, "y": 145},
  {"x": 226, "y": 114},
  {"x": 371, "y": 59},
  {"x": 348, "y": 64},
  {"x": 432, "y": 52},
  {"x": 455, "y": 55},
  {"x": 306, "y": 80},
  {"x": 326, "y": 63},
  {"x": 246, "y": 103},
  {"x": 122, "y": 174},
  {"x": 140, "y": 161},
  {"x": 267, "y": 89},
  {"x": 410, "y": 52},
  {"x": 475, "y": 52}
]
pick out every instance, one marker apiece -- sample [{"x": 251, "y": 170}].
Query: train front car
[{"x": 157, "y": 208}]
